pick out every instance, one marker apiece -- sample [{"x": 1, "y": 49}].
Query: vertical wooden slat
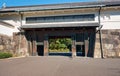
[
  {"x": 86, "y": 47},
  {"x": 29, "y": 47},
  {"x": 46, "y": 46},
  {"x": 34, "y": 47},
  {"x": 34, "y": 43},
  {"x": 29, "y": 43},
  {"x": 73, "y": 46}
]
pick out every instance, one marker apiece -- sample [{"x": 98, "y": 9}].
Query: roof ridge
[
  {"x": 69, "y": 3},
  {"x": 62, "y": 5},
  {"x": 48, "y": 4}
]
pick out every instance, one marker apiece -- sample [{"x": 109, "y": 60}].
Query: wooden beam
[
  {"x": 79, "y": 43},
  {"x": 39, "y": 43}
]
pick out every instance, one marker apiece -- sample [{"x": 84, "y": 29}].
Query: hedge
[
  {"x": 5, "y": 55},
  {"x": 59, "y": 51}
]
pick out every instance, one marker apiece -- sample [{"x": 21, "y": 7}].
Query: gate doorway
[
  {"x": 80, "y": 50},
  {"x": 82, "y": 42},
  {"x": 40, "y": 50},
  {"x": 60, "y": 46}
]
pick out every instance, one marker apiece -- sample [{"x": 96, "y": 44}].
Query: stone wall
[
  {"x": 20, "y": 44},
  {"x": 17, "y": 45},
  {"x": 6, "y": 43},
  {"x": 110, "y": 42}
]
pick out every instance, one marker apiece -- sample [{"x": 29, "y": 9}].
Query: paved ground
[{"x": 59, "y": 66}]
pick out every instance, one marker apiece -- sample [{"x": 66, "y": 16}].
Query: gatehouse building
[{"x": 93, "y": 27}]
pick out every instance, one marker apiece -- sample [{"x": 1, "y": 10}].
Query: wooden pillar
[
  {"x": 34, "y": 44},
  {"x": 73, "y": 46},
  {"x": 86, "y": 47},
  {"x": 46, "y": 46},
  {"x": 29, "y": 43},
  {"x": 30, "y": 47},
  {"x": 86, "y": 41},
  {"x": 34, "y": 48}
]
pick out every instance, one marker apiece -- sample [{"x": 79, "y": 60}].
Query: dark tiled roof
[{"x": 61, "y": 6}]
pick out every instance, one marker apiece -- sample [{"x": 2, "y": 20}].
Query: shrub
[
  {"x": 59, "y": 51},
  {"x": 5, "y": 55},
  {"x": 60, "y": 43}
]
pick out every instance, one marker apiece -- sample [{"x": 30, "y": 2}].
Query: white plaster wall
[
  {"x": 6, "y": 30},
  {"x": 14, "y": 20},
  {"x": 110, "y": 20},
  {"x": 39, "y": 15},
  {"x": 11, "y": 19}
]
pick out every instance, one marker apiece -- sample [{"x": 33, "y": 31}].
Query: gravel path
[{"x": 59, "y": 66}]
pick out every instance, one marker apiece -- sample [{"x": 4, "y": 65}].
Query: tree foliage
[{"x": 60, "y": 44}]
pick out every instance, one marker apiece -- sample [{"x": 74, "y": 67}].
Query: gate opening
[
  {"x": 80, "y": 50},
  {"x": 60, "y": 46},
  {"x": 40, "y": 50}
]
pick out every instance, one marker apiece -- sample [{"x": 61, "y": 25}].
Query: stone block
[
  {"x": 104, "y": 31},
  {"x": 119, "y": 54},
  {"x": 111, "y": 54},
  {"x": 97, "y": 40},
  {"x": 1, "y": 47},
  {"x": 97, "y": 45},
  {"x": 108, "y": 46},
  {"x": 97, "y": 35},
  {"x": 97, "y": 53},
  {"x": 115, "y": 33},
  {"x": 104, "y": 35},
  {"x": 23, "y": 51}
]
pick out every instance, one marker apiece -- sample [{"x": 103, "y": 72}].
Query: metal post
[{"x": 100, "y": 33}]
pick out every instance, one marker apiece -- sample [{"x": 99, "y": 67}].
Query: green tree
[{"x": 60, "y": 44}]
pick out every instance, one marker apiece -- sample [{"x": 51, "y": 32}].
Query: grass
[{"x": 4, "y": 55}]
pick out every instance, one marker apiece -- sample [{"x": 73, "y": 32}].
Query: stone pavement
[{"x": 59, "y": 66}]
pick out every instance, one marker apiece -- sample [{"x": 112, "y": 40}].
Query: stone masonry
[
  {"x": 110, "y": 42},
  {"x": 17, "y": 45},
  {"x": 20, "y": 44},
  {"x": 6, "y": 43}
]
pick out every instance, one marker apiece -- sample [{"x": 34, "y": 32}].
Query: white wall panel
[{"x": 6, "y": 30}]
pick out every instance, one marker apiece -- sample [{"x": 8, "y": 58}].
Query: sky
[{"x": 36, "y": 2}]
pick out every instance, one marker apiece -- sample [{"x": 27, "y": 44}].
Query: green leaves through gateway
[{"x": 60, "y": 45}]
